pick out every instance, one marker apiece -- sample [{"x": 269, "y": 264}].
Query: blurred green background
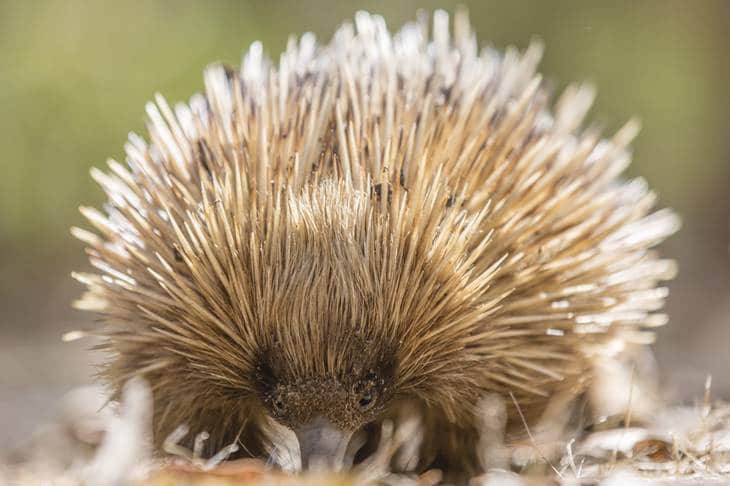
[{"x": 75, "y": 74}]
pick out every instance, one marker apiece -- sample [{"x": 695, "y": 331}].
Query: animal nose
[{"x": 322, "y": 445}]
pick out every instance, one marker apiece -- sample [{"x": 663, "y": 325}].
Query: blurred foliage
[{"x": 75, "y": 75}]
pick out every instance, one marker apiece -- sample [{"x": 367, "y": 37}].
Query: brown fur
[{"x": 382, "y": 217}]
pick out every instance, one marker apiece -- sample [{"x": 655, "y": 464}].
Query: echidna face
[
  {"x": 348, "y": 402},
  {"x": 326, "y": 407},
  {"x": 348, "y": 405}
]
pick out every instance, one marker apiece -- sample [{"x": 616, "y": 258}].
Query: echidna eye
[
  {"x": 366, "y": 401},
  {"x": 277, "y": 404}
]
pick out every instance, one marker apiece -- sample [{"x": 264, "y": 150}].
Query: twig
[
  {"x": 532, "y": 439},
  {"x": 627, "y": 418}
]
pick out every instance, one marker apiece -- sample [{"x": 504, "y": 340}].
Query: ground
[{"x": 86, "y": 444}]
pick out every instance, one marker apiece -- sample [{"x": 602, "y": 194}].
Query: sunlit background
[{"x": 75, "y": 74}]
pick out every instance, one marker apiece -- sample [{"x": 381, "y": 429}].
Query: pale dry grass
[{"x": 679, "y": 445}]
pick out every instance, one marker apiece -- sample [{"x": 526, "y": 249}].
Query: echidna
[{"x": 376, "y": 223}]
